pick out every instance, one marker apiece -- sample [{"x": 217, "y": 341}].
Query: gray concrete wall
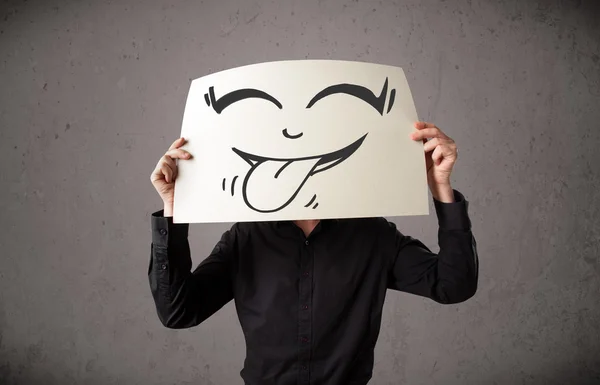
[{"x": 92, "y": 92}]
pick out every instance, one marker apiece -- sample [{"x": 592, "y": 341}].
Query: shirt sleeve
[
  {"x": 184, "y": 298},
  {"x": 450, "y": 276}
]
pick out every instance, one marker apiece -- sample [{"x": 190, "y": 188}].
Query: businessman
[{"x": 309, "y": 294}]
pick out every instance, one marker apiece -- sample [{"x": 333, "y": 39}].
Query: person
[{"x": 309, "y": 294}]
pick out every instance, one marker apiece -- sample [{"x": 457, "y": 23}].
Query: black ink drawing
[
  {"x": 319, "y": 163},
  {"x": 223, "y": 102},
  {"x": 377, "y": 102},
  {"x": 311, "y": 200},
  {"x": 324, "y": 162},
  {"x": 233, "y": 185},
  {"x": 289, "y": 136}
]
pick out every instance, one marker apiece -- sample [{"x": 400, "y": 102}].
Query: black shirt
[{"x": 310, "y": 307}]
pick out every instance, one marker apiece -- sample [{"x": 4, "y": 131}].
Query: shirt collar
[{"x": 324, "y": 223}]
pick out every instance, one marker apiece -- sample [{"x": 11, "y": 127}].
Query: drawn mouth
[
  {"x": 272, "y": 183},
  {"x": 326, "y": 161}
]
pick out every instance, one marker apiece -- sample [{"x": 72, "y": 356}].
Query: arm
[
  {"x": 183, "y": 298},
  {"x": 447, "y": 277}
]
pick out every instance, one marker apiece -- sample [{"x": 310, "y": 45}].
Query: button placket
[{"x": 304, "y": 312}]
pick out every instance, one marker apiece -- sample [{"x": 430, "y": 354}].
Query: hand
[
  {"x": 164, "y": 175},
  {"x": 440, "y": 155}
]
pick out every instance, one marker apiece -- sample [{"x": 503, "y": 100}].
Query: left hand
[{"x": 440, "y": 155}]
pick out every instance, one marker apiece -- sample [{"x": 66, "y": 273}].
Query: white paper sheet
[{"x": 307, "y": 139}]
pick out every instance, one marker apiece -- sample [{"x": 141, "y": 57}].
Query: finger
[
  {"x": 421, "y": 125},
  {"x": 171, "y": 163},
  {"x": 427, "y": 133},
  {"x": 163, "y": 159},
  {"x": 450, "y": 150},
  {"x": 178, "y": 143},
  {"x": 437, "y": 155},
  {"x": 157, "y": 173},
  {"x": 430, "y": 145},
  {"x": 167, "y": 172},
  {"x": 178, "y": 153}
]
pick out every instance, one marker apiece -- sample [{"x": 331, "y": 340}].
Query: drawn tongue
[{"x": 273, "y": 183}]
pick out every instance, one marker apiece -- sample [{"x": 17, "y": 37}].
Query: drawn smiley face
[{"x": 284, "y": 177}]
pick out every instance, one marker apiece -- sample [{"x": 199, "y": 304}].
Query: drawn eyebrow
[
  {"x": 363, "y": 93},
  {"x": 235, "y": 96}
]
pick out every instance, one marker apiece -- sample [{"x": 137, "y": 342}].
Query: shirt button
[
  {"x": 304, "y": 339},
  {"x": 163, "y": 232},
  {"x": 305, "y": 274},
  {"x": 303, "y": 367},
  {"x": 306, "y": 242},
  {"x": 305, "y": 307},
  {"x": 163, "y": 266}
]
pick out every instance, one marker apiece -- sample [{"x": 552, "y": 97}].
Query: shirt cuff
[
  {"x": 453, "y": 216},
  {"x": 165, "y": 232}
]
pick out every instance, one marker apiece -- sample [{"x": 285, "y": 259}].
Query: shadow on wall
[
  {"x": 587, "y": 9},
  {"x": 591, "y": 9},
  {"x": 19, "y": 376},
  {"x": 567, "y": 374},
  {"x": 23, "y": 374}
]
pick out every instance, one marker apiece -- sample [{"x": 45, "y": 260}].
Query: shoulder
[
  {"x": 238, "y": 235},
  {"x": 370, "y": 222},
  {"x": 371, "y": 226},
  {"x": 244, "y": 230}
]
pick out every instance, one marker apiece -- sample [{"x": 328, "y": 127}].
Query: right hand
[{"x": 164, "y": 175}]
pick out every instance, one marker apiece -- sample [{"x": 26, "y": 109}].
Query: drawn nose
[{"x": 289, "y": 136}]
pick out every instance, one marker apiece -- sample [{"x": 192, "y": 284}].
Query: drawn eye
[
  {"x": 363, "y": 93},
  {"x": 235, "y": 96}
]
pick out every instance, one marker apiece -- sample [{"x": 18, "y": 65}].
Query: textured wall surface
[{"x": 92, "y": 93}]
